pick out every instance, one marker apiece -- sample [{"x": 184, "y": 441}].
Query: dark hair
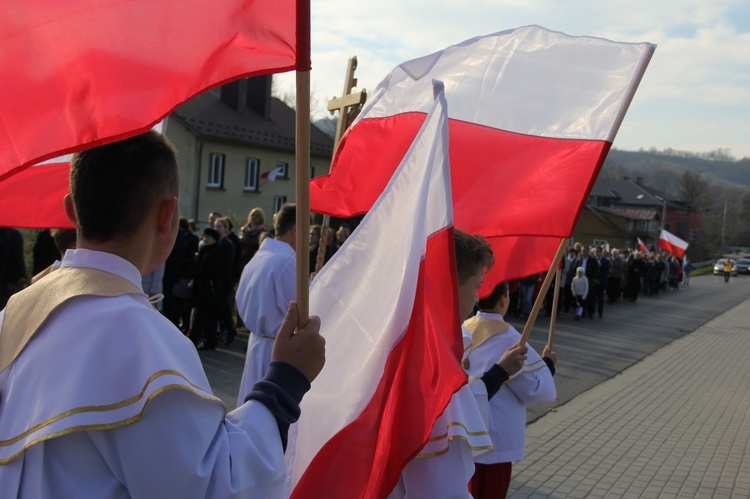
[
  {"x": 491, "y": 301},
  {"x": 473, "y": 255},
  {"x": 114, "y": 186},
  {"x": 285, "y": 219}
]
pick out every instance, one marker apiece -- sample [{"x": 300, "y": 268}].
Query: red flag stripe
[
  {"x": 74, "y": 77},
  {"x": 532, "y": 197},
  {"x": 33, "y": 199}
]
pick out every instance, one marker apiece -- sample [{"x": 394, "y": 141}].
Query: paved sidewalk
[{"x": 676, "y": 424}]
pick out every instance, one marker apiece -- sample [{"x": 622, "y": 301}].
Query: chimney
[
  {"x": 233, "y": 94},
  {"x": 258, "y": 95},
  {"x": 253, "y": 93},
  {"x": 639, "y": 180}
]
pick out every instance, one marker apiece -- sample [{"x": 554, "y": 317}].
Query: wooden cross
[{"x": 348, "y": 105}]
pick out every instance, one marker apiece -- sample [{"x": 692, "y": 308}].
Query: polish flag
[
  {"x": 673, "y": 244},
  {"x": 642, "y": 246},
  {"x": 77, "y": 74},
  {"x": 533, "y": 114},
  {"x": 273, "y": 174},
  {"x": 393, "y": 345}
]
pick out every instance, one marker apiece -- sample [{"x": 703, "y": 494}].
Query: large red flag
[
  {"x": 393, "y": 345},
  {"x": 532, "y": 116},
  {"x": 80, "y": 73}
]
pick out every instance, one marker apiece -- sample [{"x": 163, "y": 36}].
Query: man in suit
[{"x": 603, "y": 261}]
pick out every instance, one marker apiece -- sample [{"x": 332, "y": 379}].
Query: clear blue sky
[{"x": 695, "y": 95}]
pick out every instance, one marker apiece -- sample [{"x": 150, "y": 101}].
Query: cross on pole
[{"x": 348, "y": 105}]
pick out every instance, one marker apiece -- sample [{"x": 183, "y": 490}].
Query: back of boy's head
[
  {"x": 285, "y": 219},
  {"x": 491, "y": 301},
  {"x": 114, "y": 186},
  {"x": 473, "y": 255}
]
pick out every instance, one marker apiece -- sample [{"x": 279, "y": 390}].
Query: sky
[{"x": 694, "y": 96}]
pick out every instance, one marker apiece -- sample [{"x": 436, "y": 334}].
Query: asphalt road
[{"x": 589, "y": 351}]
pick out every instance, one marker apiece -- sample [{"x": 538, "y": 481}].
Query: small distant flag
[
  {"x": 672, "y": 243},
  {"x": 642, "y": 246},
  {"x": 272, "y": 174}
]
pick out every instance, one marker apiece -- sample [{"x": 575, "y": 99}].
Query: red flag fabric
[
  {"x": 393, "y": 347},
  {"x": 673, "y": 244},
  {"x": 533, "y": 114},
  {"x": 33, "y": 198},
  {"x": 81, "y": 73}
]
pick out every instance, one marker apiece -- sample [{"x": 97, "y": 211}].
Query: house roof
[
  {"x": 631, "y": 213},
  {"x": 208, "y": 116},
  {"x": 628, "y": 192}
]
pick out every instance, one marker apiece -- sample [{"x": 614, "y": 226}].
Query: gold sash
[
  {"x": 482, "y": 330},
  {"x": 30, "y": 308}
]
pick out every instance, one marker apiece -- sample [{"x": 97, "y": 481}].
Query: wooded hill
[{"x": 663, "y": 170}]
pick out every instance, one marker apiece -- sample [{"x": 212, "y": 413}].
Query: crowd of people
[
  {"x": 202, "y": 273},
  {"x": 592, "y": 277}
]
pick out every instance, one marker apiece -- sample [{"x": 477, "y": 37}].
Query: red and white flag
[
  {"x": 673, "y": 244},
  {"x": 389, "y": 313},
  {"x": 642, "y": 246},
  {"x": 80, "y": 73},
  {"x": 533, "y": 114},
  {"x": 273, "y": 174}
]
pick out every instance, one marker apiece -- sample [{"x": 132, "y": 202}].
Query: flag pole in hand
[
  {"x": 553, "y": 317},
  {"x": 302, "y": 159},
  {"x": 543, "y": 291}
]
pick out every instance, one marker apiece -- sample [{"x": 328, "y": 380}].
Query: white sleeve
[
  {"x": 534, "y": 382},
  {"x": 446, "y": 476},
  {"x": 184, "y": 447}
]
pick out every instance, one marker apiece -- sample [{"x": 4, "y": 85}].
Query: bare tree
[{"x": 694, "y": 188}]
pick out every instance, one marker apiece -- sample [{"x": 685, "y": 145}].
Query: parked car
[
  {"x": 719, "y": 267},
  {"x": 742, "y": 265}
]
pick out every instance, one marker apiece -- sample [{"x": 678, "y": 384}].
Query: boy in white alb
[
  {"x": 101, "y": 395},
  {"x": 491, "y": 335},
  {"x": 445, "y": 465}
]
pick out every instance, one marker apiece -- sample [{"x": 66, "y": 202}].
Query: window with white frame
[
  {"x": 278, "y": 202},
  {"x": 283, "y": 168},
  {"x": 252, "y": 174},
  {"x": 215, "y": 171}
]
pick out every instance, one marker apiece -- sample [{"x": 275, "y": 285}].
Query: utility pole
[{"x": 723, "y": 224}]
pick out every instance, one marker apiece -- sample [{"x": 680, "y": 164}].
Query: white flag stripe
[
  {"x": 365, "y": 294},
  {"x": 510, "y": 88}
]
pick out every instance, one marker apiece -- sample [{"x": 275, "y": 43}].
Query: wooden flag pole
[
  {"x": 302, "y": 159},
  {"x": 542, "y": 292},
  {"x": 553, "y": 317}
]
